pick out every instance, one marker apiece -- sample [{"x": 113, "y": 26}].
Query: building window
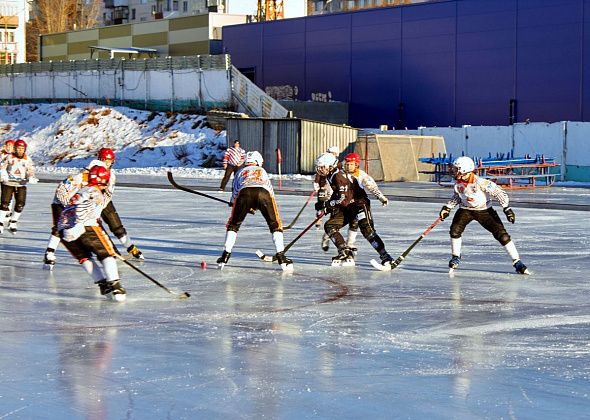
[
  {"x": 143, "y": 1},
  {"x": 185, "y": 6},
  {"x": 10, "y": 36},
  {"x": 132, "y": 14},
  {"x": 175, "y": 5},
  {"x": 168, "y": 5}
]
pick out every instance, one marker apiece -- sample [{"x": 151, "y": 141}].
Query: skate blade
[
  {"x": 525, "y": 273},
  {"x": 451, "y": 272},
  {"x": 220, "y": 265},
  {"x": 116, "y": 298},
  {"x": 348, "y": 263},
  {"x": 48, "y": 267},
  {"x": 336, "y": 263}
]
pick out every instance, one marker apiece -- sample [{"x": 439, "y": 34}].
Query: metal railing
[{"x": 204, "y": 62}]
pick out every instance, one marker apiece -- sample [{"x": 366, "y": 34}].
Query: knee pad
[
  {"x": 503, "y": 238},
  {"x": 354, "y": 225},
  {"x": 18, "y": 208},
  {"x": 455, "y": 232},
  {"x": 366, "y": 229},
  {"x": 119, "y": 231}
]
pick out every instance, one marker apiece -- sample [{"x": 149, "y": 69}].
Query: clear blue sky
[{"x": 293, "y": 8}]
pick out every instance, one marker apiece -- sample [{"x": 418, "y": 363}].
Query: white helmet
[
  {"x": 254, "y": 158},
  {"x": 335, "y": 150},
  {"x": 96, "y": 162},
  {"x": 325, "y": 163},
  {"x": 464, "y": 165}
]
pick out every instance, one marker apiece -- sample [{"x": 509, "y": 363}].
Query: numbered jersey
[
  {"x": 251, "y": 176},
  {"x": 83, "y": 210},
  {"x": 17, "y": 171},
  {"x": 477, "y": 193}
]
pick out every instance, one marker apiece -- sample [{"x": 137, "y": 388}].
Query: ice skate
[
  {"x": 221, "y": 261},
  {"x": 49, "y": 260},
  {"x": 135, "y": 252},
  {"x": 453, "y": 264},
  {"x": 285, "y": 262},
  {"x": 325, "y": 243},
  {"x": 345, "y": 258},
  {"x": 13, "y": 227},
  {"x": 112, "y": 290},
  {"x": 520, "y": 267},
  {"x": 1, "y": 228}
]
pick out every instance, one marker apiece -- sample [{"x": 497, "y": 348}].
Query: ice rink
[{"x": 323, "y": 342}]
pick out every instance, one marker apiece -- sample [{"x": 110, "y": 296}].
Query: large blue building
[{"x": 443, "y": 63}]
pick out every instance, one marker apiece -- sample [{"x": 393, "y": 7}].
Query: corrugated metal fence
[{"x": 300, "y": 141}]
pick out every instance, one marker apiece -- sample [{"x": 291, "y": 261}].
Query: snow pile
[{"x": 62, "y": 136}]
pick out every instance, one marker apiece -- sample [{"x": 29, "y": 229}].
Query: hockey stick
[
  {"x": 183, "y": 295},
  {"x": 399, "y": 259},
  {"x": 269, "y": 258},
  {"x": 189, "y": 190},
  {"x": 290, "y": 225}
]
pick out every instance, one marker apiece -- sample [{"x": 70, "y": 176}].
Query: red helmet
[
  {"x": 8, "y": 142},
  {"x": 106, "y": 154},
  {"x": 20, "y": 143},
  {"x": 98, "y": 175},
  {"x": 353, "y": 157}
]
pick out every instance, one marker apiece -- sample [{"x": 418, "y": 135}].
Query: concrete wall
[{"x": 175, "y": 84}]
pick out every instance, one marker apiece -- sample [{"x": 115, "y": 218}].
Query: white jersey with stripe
[
  {"x": 367, "y": 183},
  {"x": 17, "y": 171},
  {"x": 69, "y": 186},
  {"x": 248, "y": 177},
  {"x": 477, "y": 194},
  {"x": 84, "y": 210}
]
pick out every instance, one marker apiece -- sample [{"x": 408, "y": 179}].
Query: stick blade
[
  {"x": 380, "y": 266},
  {"x": 263, "y": 257}
]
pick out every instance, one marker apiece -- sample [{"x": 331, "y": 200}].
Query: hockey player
[
  {"x": 474, "y": 196},
  {"x": 233, "y": 159},
  {"x": 16, "y": 172},
  {"x": 253, "y": 191},
  {"x": 323, "y": 164},
  {"x": 83, "y": 236},
  {"x": 7, "y": 150},
  {"x": 64, "y": 192},
  {"x": 350, "y": 198}
]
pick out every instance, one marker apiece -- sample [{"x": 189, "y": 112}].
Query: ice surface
[{"x": 323, "y": 342}]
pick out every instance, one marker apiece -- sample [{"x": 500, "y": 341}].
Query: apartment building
[
  {"x": 318, "y": 7},
  {"x": 116, "y": 12},
  {"x": 13, "y": 16}
]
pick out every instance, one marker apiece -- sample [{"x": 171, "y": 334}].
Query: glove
[
  {"x": 33, "y": 180},
  {"x": 230, "y": 204},
  {"x": 444, "y": 212},
  {"x": 510, "y": 216},
  {"x": 320, "y": 205},
  {"x": 384, "y": 200}
]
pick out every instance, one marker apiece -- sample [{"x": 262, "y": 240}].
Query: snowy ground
[{"x": 253, "y": 342}]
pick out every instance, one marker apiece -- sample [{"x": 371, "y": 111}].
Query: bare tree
[{"x": 51, "y": 16}]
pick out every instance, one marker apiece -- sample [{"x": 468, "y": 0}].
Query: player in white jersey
[
  {"x": 474, "y": 196},
  {"x": 82, "y": 234},
  {"x": 253, "y": 191},
  {"x": 64, "y": 192},
  {"x": 6, "y": 151},
  {"x": 16, "y": 171}
]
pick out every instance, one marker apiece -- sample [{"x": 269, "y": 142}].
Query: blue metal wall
[{"x": 445, "y": 63}]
